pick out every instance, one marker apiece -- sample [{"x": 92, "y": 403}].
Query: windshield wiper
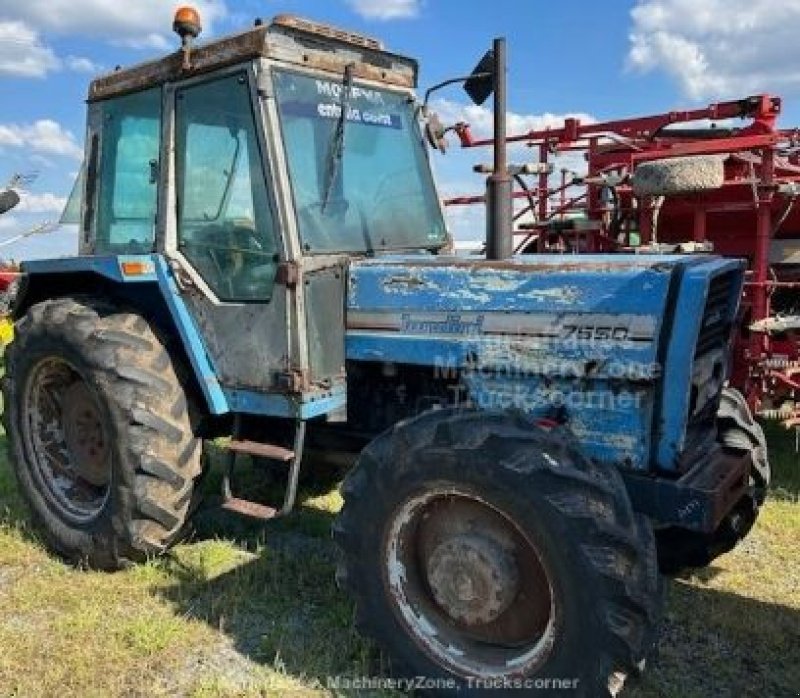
[
  {"x": 227, "y": 193},
  {"x": 337, "y": 141}
]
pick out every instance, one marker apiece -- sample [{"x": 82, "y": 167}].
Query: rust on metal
[
  {"x": 71, "y": 447},
  {"x": 256, "y": 448},
  {"x": 465, "y": 579},
  {"x": 267, "y": 41},
  {"x": 362, "y": 71},
  {"x": 295, "y": 380},
  {"x": 252, "y": 510},
  {"x": 530, "y": 265},
  {"x": 288, "y": 274},
  {"x": 228, "y": 51},
  {"x": 473, "y": 578},
  {"x": 85, "y": 434},
  {"x": 403, "y": 281},
  {"x": 344, "y": 35}
]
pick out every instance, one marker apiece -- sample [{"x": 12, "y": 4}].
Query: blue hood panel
[{"x": 584, "y": 338}]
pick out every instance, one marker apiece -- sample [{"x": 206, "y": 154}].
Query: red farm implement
[{"x": 683, "y": 181}]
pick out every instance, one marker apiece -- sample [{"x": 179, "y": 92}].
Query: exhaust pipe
[{"x": 499, "y": 185}]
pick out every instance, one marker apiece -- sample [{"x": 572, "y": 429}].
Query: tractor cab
[{"x": 255, "y": 167}]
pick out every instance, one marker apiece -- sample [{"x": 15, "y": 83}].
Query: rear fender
[{"x": 142, "y": 282}]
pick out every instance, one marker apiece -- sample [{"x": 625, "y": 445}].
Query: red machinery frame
[{"x": 754, "y": 209}]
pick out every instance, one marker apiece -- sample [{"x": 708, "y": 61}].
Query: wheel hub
[
  {"x": 66, "y": 440},
  {"x": 468, "y": 584},
  {"x": 473, "y": 578},
  {"x": 85, "y": 434}
]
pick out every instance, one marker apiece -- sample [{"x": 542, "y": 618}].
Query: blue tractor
[{"x": 263, "y": 256}]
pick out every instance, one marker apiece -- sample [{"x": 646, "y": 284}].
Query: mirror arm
[{"x": 451, "y": 81}]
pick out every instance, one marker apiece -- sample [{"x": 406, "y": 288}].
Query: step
[
  {"x": 256, "y": 448},
  {"x": 252, "y": 510}
]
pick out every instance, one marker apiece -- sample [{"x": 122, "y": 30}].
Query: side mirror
[
  {"x": 8, "y": 200},
  {"x": 435, "y": 132},
  {"x": 480, "y": 84}
]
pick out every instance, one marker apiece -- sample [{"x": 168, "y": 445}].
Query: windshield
[{"x": 380, "y": 194}]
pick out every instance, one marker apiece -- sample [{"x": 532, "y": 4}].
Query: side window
[
  {"x": 225, "y": 222},
  {"x": 128, "y": 196}
]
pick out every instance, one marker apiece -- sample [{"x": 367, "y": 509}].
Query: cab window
[
  {"x": 225, "y": 222},
  {"x": 128, "y": 186}
]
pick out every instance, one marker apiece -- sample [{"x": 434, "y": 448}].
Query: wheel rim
[
  {"x": 66, "y": 437},
  {"x": 468, "y": 585}
]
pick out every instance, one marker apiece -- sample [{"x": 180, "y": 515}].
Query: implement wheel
[
  {"x": 483, "y": 552},
  {"x": 98, "y": 432}
]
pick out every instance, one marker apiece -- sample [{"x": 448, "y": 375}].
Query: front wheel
[
  {"x": 485, "y": 553},
  {"x": 98, "y": 432},
  {"x": 740, "y": 433}
]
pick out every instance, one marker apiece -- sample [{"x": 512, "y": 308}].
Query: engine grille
[{"x": 716, "y": 327}]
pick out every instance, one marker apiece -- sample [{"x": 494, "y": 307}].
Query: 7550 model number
[{"x": 595, "y": 333}]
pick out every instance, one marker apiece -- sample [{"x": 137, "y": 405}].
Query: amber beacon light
[{"x": 187, "y": 25}]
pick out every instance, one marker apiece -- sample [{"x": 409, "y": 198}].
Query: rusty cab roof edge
[{"x": 259, "y": 42}]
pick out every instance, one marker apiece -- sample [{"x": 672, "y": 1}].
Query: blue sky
[{"x": 598, "y": 59}]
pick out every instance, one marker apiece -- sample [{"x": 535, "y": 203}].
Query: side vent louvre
[{"x": 715, "y": 330}]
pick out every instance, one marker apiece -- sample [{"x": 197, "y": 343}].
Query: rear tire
[
  {"x": 476, "y": 545},
  {"x": 99, "y": 432}
]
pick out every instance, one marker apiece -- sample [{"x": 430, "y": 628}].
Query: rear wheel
[
  {"x": 484, "y": 553},
  {"x": 98, "y": 432}
]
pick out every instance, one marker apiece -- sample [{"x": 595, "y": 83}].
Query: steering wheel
[{"x": 224, "y": 255}]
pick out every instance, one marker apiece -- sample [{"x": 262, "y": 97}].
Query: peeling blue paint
[{"x": 606, "y": 341}]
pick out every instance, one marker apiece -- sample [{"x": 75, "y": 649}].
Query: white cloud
[
  {"x": 481, "y": 119},
  {"x": 9, "y": 223},
  {"x": 151, "y": 40},
  {"x": 80, "y": 64},
  {"x": 143, "y": 23},
  {"x": 41, "y": 203},
  {"x": 11, "y": 136},
  {"x": 43, "y": 136},
  {"x": 42, "y": 160},
  {"x": 22, "y": 53},
  {"x": 467, "y": 223},
  {"x": 719, "y": 48},
  {"x": 383, "y": 10}
]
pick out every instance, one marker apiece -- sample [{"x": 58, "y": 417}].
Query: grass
[{"x": 243, "y": 610}]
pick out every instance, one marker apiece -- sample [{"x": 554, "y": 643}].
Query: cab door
[{"x": 223, "y": 234}]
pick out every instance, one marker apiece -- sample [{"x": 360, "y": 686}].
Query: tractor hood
[
  {"x": 546, "y": 297},
  {"x": 535, "y": 332}
]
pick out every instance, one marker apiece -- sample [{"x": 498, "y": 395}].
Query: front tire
[
  {"x": 740, "y": 433},
  {"x": 481, "y": 550},
  {"x": 99, "y": 432}
]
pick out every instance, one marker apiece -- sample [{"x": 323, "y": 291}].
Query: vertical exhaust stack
[
  {"x": 499, "y": 186},
  {"x": 488, "y": 77}
]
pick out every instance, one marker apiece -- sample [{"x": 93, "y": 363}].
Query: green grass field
[{"x": 242, "y": 610}]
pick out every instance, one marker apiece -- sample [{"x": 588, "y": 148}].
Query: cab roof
[{"x": 287, "y": 39}]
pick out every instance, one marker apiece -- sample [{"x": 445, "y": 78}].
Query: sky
[{"x": 595, "y": 60}]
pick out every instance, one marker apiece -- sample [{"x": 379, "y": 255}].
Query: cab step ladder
[{"x": 291, "y": 458}]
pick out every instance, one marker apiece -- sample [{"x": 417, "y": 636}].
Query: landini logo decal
[{"x": 452, "y": 324}]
